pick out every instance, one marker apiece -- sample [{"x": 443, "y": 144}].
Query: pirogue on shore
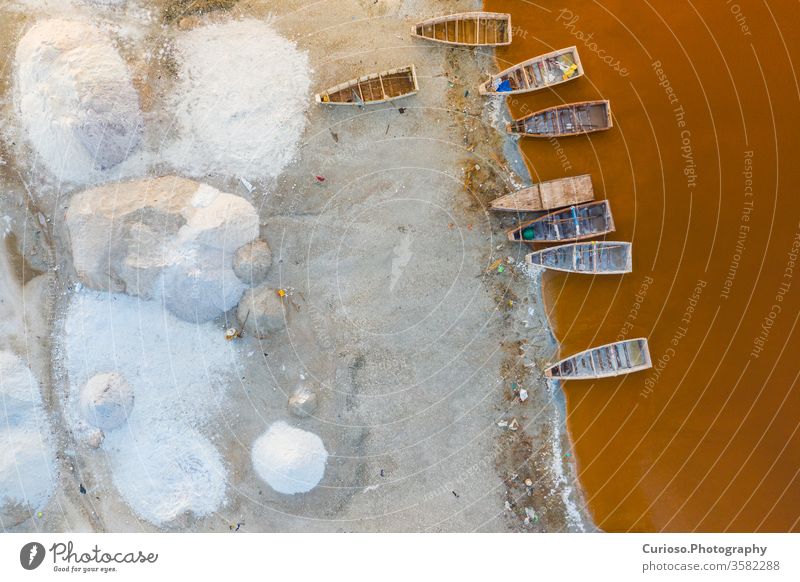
[
  {"x": 615, "y": 359},
  {"x": 569, "y": 224},
  {"x": 564, "y": 120},
  {"x": 540, "y": 72},
  {"x": 466, "y": 29},
  {"x": 595, "y": 258},
  {"x": 371, "y": 89},
  {"x": 547, "y": 195}
]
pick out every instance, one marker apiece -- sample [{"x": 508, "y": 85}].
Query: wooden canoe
[
  {"x": 605, "y": 361},
  {"x": 569, "y": 224},
  {"x": 564, "y": 120},
  {"x": 466, "y": 29},
  {"x": 371, "y": 89},
  {"x": 594, "y": 258},
  {"x": 537, "y": 73},
  {"x": 547, "y": 195}
]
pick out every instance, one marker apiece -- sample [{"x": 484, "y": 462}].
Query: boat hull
[
  {"x": 466, "y": 29},
  {"x": 607, "y": 361},
  {"x": 540, "y": 72},
  {"x": 564, "y": 120},
  {"x": 548, "y": 195},
  {"x": 592, "y": 258},
  {"x": 580, "y": 222},
  {"x": 372, "y": 89}
]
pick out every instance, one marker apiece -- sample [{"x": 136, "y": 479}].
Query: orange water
[{"x": 709, "y": 439}]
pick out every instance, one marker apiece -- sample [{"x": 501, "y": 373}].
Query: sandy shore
[{"x": 417, "y": 346}]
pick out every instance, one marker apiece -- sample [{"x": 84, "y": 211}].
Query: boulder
[
  {"x": 106, "y": 401},
  {"x": 167, "y": 238},
  {"x": 261, "y": 311},
  {"x": 252, "y": 261}
]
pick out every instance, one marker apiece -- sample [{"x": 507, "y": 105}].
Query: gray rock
[
  {"x": 168, "y": 238},
  {"x": 261, "y": 311},
  {"x": 304, "y": 401},
  {"x": 252, "y": 261}
]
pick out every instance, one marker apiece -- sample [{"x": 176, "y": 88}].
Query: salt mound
[
  {"x": 241, "y": 101},
  {"x": 167, "y": 238},
  {"x": 75, "y": 98},
  {"x": 106, "y": 400},
  {"x": 27, "y": 463},
  {"x": 289, "y": 459},
  {"x": 162, "y": 463},
  {"x": 165, "y": 473}
]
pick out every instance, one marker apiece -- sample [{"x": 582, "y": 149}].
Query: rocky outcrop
[
  {"x": 262, "y": 312},
  {"x": 251, "y": 262},
  {"x": 167, "y": 238}
]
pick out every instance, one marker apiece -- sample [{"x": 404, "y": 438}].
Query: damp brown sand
[{"x": 699, "y": 172}]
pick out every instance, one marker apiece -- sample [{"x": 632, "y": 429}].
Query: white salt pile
[
  {"x": 241, "y": 100},
  {"x": 168, "y": 238},
  {"x": 289, "y": 459},
  {"x": 78, "y": 107},
  {"x": 27, "y": 462},
  {"x": 162, "y": 464}
]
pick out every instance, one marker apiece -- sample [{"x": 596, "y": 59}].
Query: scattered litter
[
  {"x": 247, "y": 185},
  {"x": 513, "y": 425},
  {"x": 82, "y": 489},
  {"x": 528, "y": 483},
  {"x": 503, "y": 424},
  {"x": 320, "y": 178},
  {"x": 523, "y": 395},
  {"x": 531, "y": 515}
]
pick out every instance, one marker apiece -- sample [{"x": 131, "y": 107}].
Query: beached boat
[
  {"x": 564, "y": 120},
  {"x": 596, "y": 258},
  {"x": 466, "y": 29},
  {"x": 605, "y": 361},
  {"x": 547, "y": 195},
  {"x": 537, "y": 73},
  {"x": 574, "y": 223},
  {"x": 371, "y": 89}
]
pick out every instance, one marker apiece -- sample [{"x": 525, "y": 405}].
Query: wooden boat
[
  {"x": 564, "y": 120},
  {"x": 596, "y": 258},
  {"x": 537, "y": 73},
  {"x": 605, "y": 361},
  {"x": 548, "y": 195},
  {"x": 371, "y": 89},
  {"x": 574, "y": 223},
  {"x": 466, "y": 29}
]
